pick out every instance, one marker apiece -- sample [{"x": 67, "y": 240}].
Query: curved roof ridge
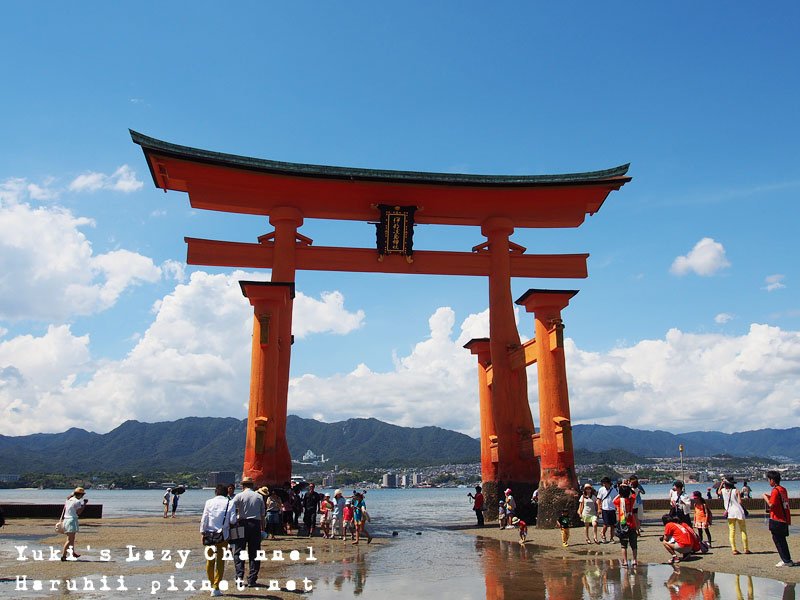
[{"x": 309, "y": 170}]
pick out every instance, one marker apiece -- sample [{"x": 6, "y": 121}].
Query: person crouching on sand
[{"x": 523, "y": 528}]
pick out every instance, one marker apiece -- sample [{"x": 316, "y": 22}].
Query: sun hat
[
  {"x": 247, "y": 480},
  {"x": 514, "y": 520},
  {"x": 587, "y": 485},
  {"x": 348, "y": 501},
  {"x": 338, "y": 492},
  {"x": 79, "y": 490},
  {"x": 264, "y": 491},
  {"x": 327, "y": 495},
  {"x": 508, "y": 491}
]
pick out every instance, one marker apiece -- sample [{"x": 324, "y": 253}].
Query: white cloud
[
  {"x": 18, "y": 189},
  {"x": 723, "y": 318},
  {"x": 326, "y": 314},
  {"x": 194, "y": 359},
  {"x": 774, "y": 282},
  {"x": 121, "y": 180},
  {"x": 706, "y": 258},
  {"x": 48, "y": 269},
  {"x": 174, "y": 269}
]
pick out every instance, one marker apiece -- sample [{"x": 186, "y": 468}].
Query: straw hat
[
  {"x": 264, "y": 491},
  {"x": 338, "y": 492},
  {"x": 247, "y": 480},
  {"x": 79, "y": 490}
]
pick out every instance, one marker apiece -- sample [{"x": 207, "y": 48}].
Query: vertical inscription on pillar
[{"x": 263, "y": 321}]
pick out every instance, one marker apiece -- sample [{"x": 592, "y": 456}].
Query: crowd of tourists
[
  {"x": 620, "y": 507},
  {"x": 242, "y": 521}
]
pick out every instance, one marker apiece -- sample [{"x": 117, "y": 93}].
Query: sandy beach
[
  {"x": 103, "y": 546},
  {"x": 761, "y": 563}
]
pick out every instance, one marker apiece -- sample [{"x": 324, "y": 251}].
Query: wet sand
[
  {"x": 157, "y": 534},
  {"x": 761, "y": 563}
]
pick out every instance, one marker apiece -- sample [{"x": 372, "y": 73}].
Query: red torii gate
[{"x": 288, "y": 193}]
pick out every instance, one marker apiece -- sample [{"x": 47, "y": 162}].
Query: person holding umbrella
[{"x": 175, "y": 493}]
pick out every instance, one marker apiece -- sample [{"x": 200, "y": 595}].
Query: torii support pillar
[
  {"x": 266, "y": 453},
  {"x": 558, "y": 487},
  {"x": 516, "y": 465},
  {"x": 480, "y": 348}
]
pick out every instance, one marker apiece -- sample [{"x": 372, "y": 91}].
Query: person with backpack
[
  {"x": 779, "y": 517},
  {"x": 627, "y": 525}
]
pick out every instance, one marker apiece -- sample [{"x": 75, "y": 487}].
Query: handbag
[
  {"x": 212, "y": 538},
  {"x": 236, "y": 533},
  {"x": 60, "y": 523}
]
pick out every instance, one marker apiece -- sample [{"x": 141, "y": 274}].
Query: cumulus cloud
[
  {"x": 325, "y": 314},
  {"x": 48, "y": 269},
  {"x": 774, "y": 282},
  {"x": 194, "y": 359},
  {"x": 122, "y": 180},
  {"x": 705, "y": 259},
  {"x": 723, "y": 318}
]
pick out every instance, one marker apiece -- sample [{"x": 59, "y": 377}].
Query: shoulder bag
[
  {"x": 212, "y": 538},
  {"x": 60, "y": 523}
]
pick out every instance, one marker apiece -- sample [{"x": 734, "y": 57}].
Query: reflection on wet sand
[
  {"x": 448, "y": 566},
  {"x": 349, "y": 573},
  {"x": 515, "y": 572}
]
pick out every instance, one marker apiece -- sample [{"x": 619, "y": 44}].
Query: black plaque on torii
[{"x": 395, "y": 231}]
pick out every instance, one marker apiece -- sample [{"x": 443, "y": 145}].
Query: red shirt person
[
  {"x": 779, "y": 517},
  {"x": 477, "y": 504}
]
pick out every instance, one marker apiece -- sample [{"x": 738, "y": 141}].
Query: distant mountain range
[{"x": 209, "y": 443}]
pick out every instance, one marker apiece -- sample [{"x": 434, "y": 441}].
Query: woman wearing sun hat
[
  {"x": 72, "y": 508},
  {"x": 734, "y": 512}
]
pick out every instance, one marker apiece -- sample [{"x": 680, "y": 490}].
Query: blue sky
[{"x": 101, "y": 320}]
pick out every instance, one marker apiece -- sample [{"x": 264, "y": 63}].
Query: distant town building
[
  {"x": 389, "y": 480},
  {"x": 9, "y": 477},
  {"x": 402, "y": 481},
  {"x": 312, "y": 458},
  {"x": 416, "y": 478},
  {"x": 216, "y": 478},
  {"x": 328, "y": 481}
]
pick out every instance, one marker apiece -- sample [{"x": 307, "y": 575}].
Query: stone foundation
[{"x": 552, "y": 500}]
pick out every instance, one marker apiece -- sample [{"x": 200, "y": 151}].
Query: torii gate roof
[{"x": 241, "y": 184}]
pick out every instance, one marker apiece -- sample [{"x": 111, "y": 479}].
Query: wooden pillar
[
  {"x": 480, "y": 348},
  {"x": 262, "y": 459},
  {"x": 516, "y": 464},
  {"x": 553, "y": 445},
  {"x": 286, "y": 220}
]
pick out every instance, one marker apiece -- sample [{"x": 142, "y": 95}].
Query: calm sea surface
[{"x": 428, "y": 558}]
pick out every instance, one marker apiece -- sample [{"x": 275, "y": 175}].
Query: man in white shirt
[
  {"x": 251, "y": 513},
  {"x": 217, "y": 515},
  {"x": 605, "y": 503}
]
